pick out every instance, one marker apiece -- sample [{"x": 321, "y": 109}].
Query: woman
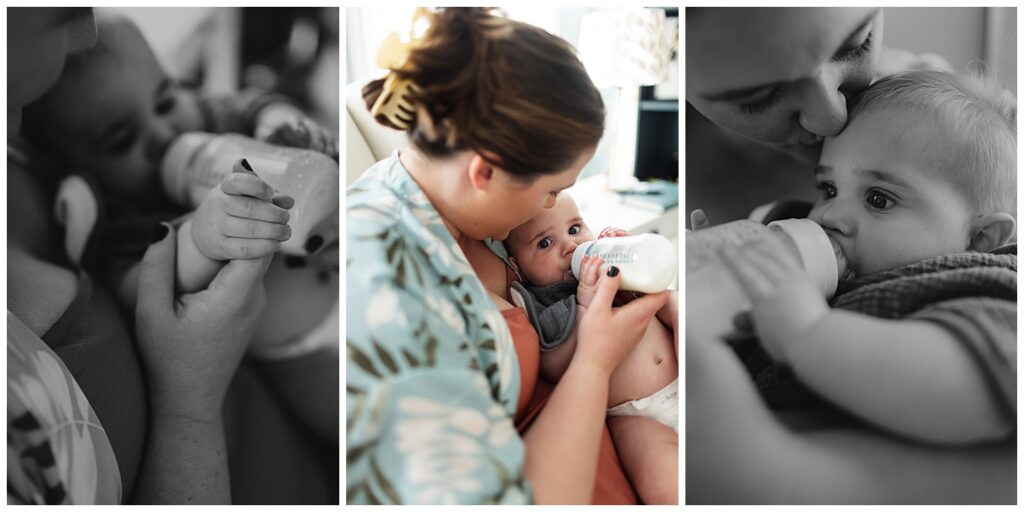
[
  {"x": 783, "y": 76},
  {"x": 501, "y": 117},
  {"x": 152, "y": 418}
]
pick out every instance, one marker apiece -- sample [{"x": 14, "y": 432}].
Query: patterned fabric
[
  {"x": 972, "y": 295},
  {"x": 57, "y": 450},
  {"x": 432, "y": 375}
]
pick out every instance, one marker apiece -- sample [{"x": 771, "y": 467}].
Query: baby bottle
[
  {"x": 713, "y": 295},
  {"x": 196, "y": 162},
  {"x": 646, "y": 262}
]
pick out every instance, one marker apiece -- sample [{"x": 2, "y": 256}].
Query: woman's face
[
  {"x": 780, "y": 75},
  {"x": 39, "y": 40},
  {"x": 514, "y": 202}
]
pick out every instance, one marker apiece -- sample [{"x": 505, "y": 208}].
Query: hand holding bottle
[{"x": 785, "y": 303}]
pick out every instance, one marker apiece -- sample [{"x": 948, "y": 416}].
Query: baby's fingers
[
  {"x": 234, "y": 227},
  {"x": 246, "y": 184},
  {"x": 256, "y": 209}
]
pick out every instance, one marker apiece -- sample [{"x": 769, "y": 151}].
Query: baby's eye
[
  {"x": 828, "y": 191},
  {"x": 544, "y": 243},
  {"x": 166, "y": 105},
  {"x": 574, "y": 229},
  {"x": 122, "y": 144},
  {"x": 878, "y": 200}
]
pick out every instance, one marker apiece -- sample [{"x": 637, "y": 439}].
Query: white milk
[{"x": 646, "y": 262}]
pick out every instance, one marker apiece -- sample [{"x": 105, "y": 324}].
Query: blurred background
[
  {"x": 969, "y": 38},
  {"x": 291, "y": 50},
  {"x": 631, "y": 55}
]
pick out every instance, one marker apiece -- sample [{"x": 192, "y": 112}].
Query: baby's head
[
  {"x": 926, "y": 166},
  {"x": 114, "y": 112},
  {"x": 542, "y": 248}
]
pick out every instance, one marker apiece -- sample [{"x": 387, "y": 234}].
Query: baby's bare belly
[{"x": 648, "y": 368}]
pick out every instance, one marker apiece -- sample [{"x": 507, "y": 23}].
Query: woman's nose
[
  {"x": 824, "y": 109},
  {"x": 549, "y": 202}
]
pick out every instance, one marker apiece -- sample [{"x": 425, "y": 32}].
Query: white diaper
[{"x": 662, "y": 406}]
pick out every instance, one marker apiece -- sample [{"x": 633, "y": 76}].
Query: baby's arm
[
  {"x": 240, "y": 219},
  {"x": 911, "y": 377}
]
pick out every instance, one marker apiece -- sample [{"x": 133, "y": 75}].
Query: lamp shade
[{"x": 624, "y": 47}]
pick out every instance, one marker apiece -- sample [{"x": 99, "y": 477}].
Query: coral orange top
[{"x": 612, "y": 487}]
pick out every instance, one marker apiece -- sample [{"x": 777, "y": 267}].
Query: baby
[
  {"x": 919, "y": 192},
  {"x": 113, "y": 115},
  {"x": 646, "y": 383}
]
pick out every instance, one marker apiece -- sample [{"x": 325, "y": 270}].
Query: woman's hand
[
  {"x": 285, "y": 125},
  {"x": 607, "y": 334},
  {"x": 191, "y": 346},
  {"x": 241, "y": 219}
]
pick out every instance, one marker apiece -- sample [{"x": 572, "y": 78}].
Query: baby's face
[
  {"x": 118, "y": 115},
  {"x": 543, "y": 247},
  {"x": 885, "y": 197}
]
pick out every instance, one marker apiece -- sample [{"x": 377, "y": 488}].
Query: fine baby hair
[
  {"x": 515, "y": 94},
  {"x": 981, "y": 115}
]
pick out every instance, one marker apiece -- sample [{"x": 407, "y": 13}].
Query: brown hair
[
  {"x": 981, "y": 115},
  {"x": 501, "y": 88}
]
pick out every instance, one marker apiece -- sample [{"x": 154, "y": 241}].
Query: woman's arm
[
  {"x": 190, "y": 347},
  {"x": 562, "y": 444},
  {"x": 912, "y": 377}
]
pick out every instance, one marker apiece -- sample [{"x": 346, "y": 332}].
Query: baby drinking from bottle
[
  {"x": 645, "y": 385},
  {"x": 918, "y": 191},
  {"x": 112, "y": 117}
]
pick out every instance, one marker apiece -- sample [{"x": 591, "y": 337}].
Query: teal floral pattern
[{"x": 432, "y": 376}]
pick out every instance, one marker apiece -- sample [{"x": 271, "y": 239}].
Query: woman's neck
[{"x": 434, "y": 180}]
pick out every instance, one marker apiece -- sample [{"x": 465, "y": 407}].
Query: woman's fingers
[
  {"x": 235, "y": 227},
  {"x": 256, "y": 209},
  {"x": 607, "y": 285},
  {"x": 156, "y": 273},
  {"x": 284, "y": 201},
  {"x": 747, "y": 273},
  {"x": 248, "y": 248}
]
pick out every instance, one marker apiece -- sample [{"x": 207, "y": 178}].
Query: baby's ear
[{"x": 992, "y": 231}]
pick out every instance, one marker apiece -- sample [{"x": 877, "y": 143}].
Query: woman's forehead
[{"x": 735, "y": 48}]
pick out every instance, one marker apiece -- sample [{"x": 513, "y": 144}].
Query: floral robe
[
  {"x": 432, "y": 375},
  {"x": 57, "y": 450}
]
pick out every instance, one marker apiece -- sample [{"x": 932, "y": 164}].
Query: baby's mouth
[{"x": 843, "y": 264}]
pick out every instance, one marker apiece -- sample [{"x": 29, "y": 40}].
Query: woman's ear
[
  {"x": 992, "y": 231},
  {"x": 481, "y": 172}
]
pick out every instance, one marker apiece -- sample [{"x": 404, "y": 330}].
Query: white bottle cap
[
  {"x": 176, "y": 161},
  {"x": 815, "y": 251}
]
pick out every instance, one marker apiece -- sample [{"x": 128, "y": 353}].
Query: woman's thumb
[
  {"x": 156, "y": 273},
  {"x": 607, "y": 286}
]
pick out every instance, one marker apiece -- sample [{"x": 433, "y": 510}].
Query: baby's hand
[
  {"x": 786, "y": 304},
  {"x": 612, "y": 232},
  {"x": 590, "y": 273},
  {"x": 285, "y": 125},
  {"x": 241, "y": 219}
]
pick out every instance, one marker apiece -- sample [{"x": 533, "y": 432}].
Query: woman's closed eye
[
  {"x": 858, "y": 51},
  {"x": 121, "y": 143},
  {"x": 764, "y": 102}
]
